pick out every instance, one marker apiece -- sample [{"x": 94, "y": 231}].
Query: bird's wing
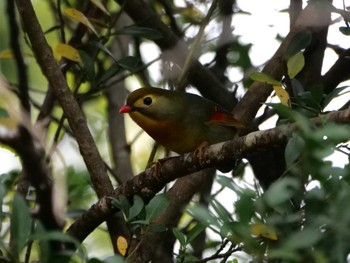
[{"x": 223, "y": 117}]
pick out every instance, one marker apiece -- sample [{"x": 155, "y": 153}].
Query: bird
[{"x": 181, "y": 122}]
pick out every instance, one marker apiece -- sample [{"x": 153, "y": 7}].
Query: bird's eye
[{"x": 147, "y": 101}]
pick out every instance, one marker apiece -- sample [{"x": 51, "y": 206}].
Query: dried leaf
[
  {"x": 68, "y": 52},
  {"x": 263, "y": 230},
  {"x": 122, "y": 245},
  {"x": 80, "y": 17},
  {"x": 282, "y": 94}
]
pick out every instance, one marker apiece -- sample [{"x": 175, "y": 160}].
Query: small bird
[{"x": 179, "y": 121}]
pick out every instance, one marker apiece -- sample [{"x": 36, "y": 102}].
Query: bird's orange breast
[{"x": 162, "y": 131}]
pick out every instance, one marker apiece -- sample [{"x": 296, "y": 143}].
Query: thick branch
[
  {"x": 50, "y": 69},
  {"x": 32, "y": 157},
  {"x": 337, "y": 73},
  {"x": 152, "y": 180},
  {"x": 311, "y": 18}
]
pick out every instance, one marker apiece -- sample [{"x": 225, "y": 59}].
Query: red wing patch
[{"x": 220, "y": 116}]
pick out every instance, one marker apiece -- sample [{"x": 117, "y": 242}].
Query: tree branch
[
  {"x": 336, "y": 74},
  {"x": 311, "y": 18},
  {"x": 152, "y": 180},
  {"x": 50, "y": 69},
  {"x": 16, "y": 49}
]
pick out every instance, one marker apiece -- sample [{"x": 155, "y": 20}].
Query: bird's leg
[{"x": 199, "y": 152}]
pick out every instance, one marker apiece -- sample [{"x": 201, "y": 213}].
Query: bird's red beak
[{"x": 125, "y": 109}]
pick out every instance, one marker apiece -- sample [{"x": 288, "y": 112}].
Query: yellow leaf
[
  {"x": 282, "y": 94},
  {"x": 100, "y": 6},
  {"x": 191, "y": 11},
  {"x": 122, "y": 245},
  {"x": 263, "y": 230},
  {"x": 68, "y": 51},
  {"x": 191, "y": 14},
  {"x": 6, "y": 54},
  {"x": 80, "y": 17},
  {"x": 10, "y": 115}
]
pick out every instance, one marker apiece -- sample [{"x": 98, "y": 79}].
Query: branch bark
[
  {"x": 152, "y": 180},
  {"x": 311, "y": 18},
  {"x": 77, "y": 122}
]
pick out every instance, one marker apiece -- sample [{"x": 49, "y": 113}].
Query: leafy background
[{"x": 302, "y": 217}]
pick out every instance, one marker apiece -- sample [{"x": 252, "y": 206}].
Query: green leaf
[
  {"x": 180, "y": 236},
  {"x": 333, "y": 133},
  {"x": 4, "y": 113},
  {"x": 221, "y": 211},
  {"x": 303, "y": 239},
  {"x": 244, "y": 206},
  {"x": 295, "y": 64},
  {"x": 282, "y": 110},
  {"x": 54, "y": 235},
  {"x": 229, "y": 183},
  {"x": 157, "y": 228},
  {"x": 112, "y": 71},
  {"x": 237, "y": 231},
  {"x": 287, "y": 113},
  {"x": 345, "y": 30},
  {"x": 203, "y": 215},
  {"x": 123, "y": 204},
  {"x": 129, "y": 63},
  {"x": 195, "y": 231},
  {"x": 44, "y": 237},
  {"x": 293, "y": 149},
  {"x": 297, "y": 87},
  {"x": 88, "y": 63},
  {"x": 334, "y": 94},
  {"x": 2, "y": 196},
  {"x": 136, "y": 207},
  {"x": 281, "y": 191},
  {"x": 156, "y": 206},
  {"x": 20, "y": 224},
  {"x": 138, "y": 31},
  {"x": 300, "y": 41},
  {"x": 284, "y": 254},
  {"x": 262, "y": 77},
  {"x": 43, "y": 244},
  {"x": 103, "y": 49}
]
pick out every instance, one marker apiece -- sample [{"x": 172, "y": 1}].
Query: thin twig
[
  {"x": 17, "y": 52},
  {"x": 194, "y": 48}
]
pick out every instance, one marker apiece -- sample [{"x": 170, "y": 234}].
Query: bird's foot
[
  {"x": 156, "y": 166},
  {"x": 199, "y": 153}
]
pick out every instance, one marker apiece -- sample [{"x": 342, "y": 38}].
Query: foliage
[
  {"x": 294, "y": 210},
  {"x": 304, "y": 214}
]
